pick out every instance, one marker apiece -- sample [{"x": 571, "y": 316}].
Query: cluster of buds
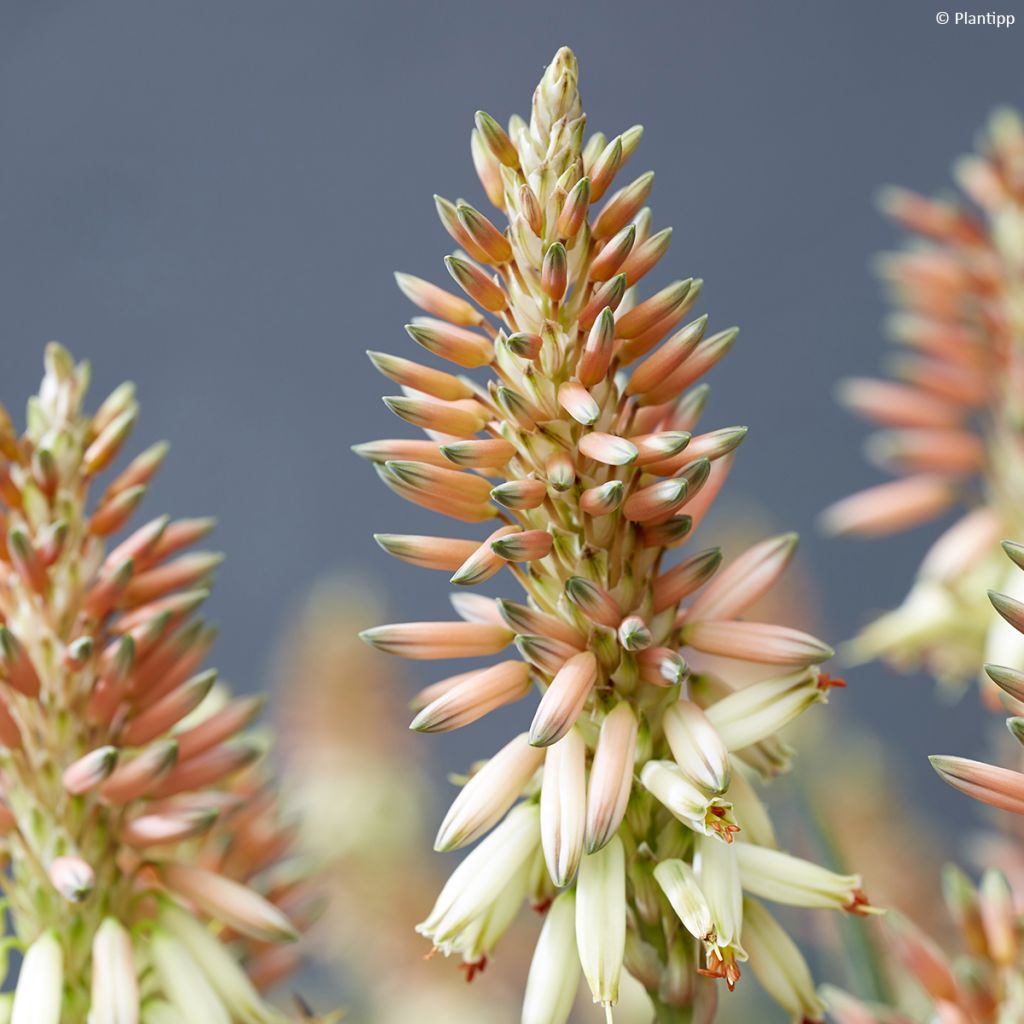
[
  {"x": 626, "y": 812},
  {"x": 952, "y": 417},
  {"x": 982, "y": 982},
  {"x": 146, "y": 870}
]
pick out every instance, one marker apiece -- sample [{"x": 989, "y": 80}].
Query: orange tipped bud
[
  {"x": 890, "y": 507},
  {"x": 608, "y": 296},
  {"x": 487, "y": 238},
  {"x": 644, "y": 257},
  {"x": 577, "y": 401},
  {"x": 438, "y": 302},
  {"x": 484, "y": 562},
  {"x": 456, "y": 344},
  {"x": 444, "y": 417},
  {"x": 623, "y": 206},
  {"x": 554, "y": 271},
  {"x": 431, "y": 640},
  {"x": 435, "y": 383},
  {"x": 496, "y": 139},
  {"x": 16, "y": 668},
  {"x": 564, "y": 699},
  {"x": 653, "y": 310},
  {"x": 574, "y": 212},
  {"x": 598, "y": 351},
  {"x": 473, "y": 695},
  {"x": 520, "y": 494},
  {"x": 527, "y": 546},
  {"x": 476, "y": 284},
  {"x": 608, "y": 449},
  {"x": 594, "y": 601}
]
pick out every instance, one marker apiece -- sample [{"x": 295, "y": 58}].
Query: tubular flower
[
  {"x": 146, "y": 865},
  {"x": 951, "y": 417},
  {"x": 583, "y": 445}
]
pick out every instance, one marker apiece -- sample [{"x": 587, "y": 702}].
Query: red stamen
[{"x": 471, "y": 970}]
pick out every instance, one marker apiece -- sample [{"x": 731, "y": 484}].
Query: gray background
[{"x": 209, "y": 198}]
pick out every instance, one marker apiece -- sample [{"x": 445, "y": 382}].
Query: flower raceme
[
  {"x": 626, "y": 809},
  {"x": 950, "y": 420},
  {"x": 146, "y": 874}
]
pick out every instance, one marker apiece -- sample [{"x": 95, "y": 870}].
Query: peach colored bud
[
  {"x": 430, "y": 640},
  {"x": 613, "y": 255},
  {"x": 139, "y": 776},
  {"x": 401, "y": 449},
  {"x": 435, "y": 383},
  {"x": 943, "y": 451},
  {"x": 104, "y": 449},
  {"x": 456, "y": 344},
  {"x": 140, "y": 470},
  {"x": 645, "y": 257},
  {"x": 488, "y": 170},
  {"x": 496, "y": 139},
  {"x": 597, "y": 354},
  {"x": 574, "y": 212},
  {"x": 438, "y": 302},
  {"x": 222, "y": 725},
  {"x": 594, "y": 601},
  {"x": 489, "y": 794},
  {"x": 114, "y": 512},
  {"x": 72, "y": 878},
  {"x": 527, "y": 546},
  {"x": 608, "y": 296},
  {"x": 560, "y": 471},
  {"x": 16, "y": 668},
  {"x": 607, "y": 449},
  {"x": 523, "y": 619},
  {"x": 90, "y": 770},
  {"x": 492, "y": 244},
  {"x": 473, "y": 696},
  {"x": 897, "y": 405},
  {"x": 229, "y": 902},
  {"x": 574, "y": 398},
  {"x": 622, "y": 207},
  {"x": 707, "y": 353},
  {"x": 656, "y": 502},
  {"x": 653, "y": 310},
  {"x": 690, "y": 575},
  {"x": 654, "y": 448},
  {"x": 611, "y": 776},
  {"x": 476, "y": 284},
  {"x": 26, "y": 560},
  {"x": 603, "y": 499},
  {"x": 444, "y": 417},
  {"x": 922, "y": 958},
  {"x": 553, "y": 275},
  {"x": 564, "y": 699},
  {"x": 756, "y": 641},
  {"x": 488, "y": 454},
  {"x": 168, "y": 829},
  {"x": 206, "y": 769},
  {"x": 890, "y": 507},
  {"x": 602, "y": 172},
  {"x": 661, "y": 666},
  {"x": 525, "y": 345},
  {"x": 484, "y": 562},
  {"x": 744, "y": 580},
  {"x": 188, "y": 571},
  {"x": 520, "y": 494},
  {"x": 444, "y": 553},
  {"x": 10, "y": 732},
  {"x": 999, "y": 787}
]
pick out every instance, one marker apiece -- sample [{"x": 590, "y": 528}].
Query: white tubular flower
[
  {"x": 611, "y": 776},
  {"x": 783, "y": 878},
  {"x": 708, "y": 815},
  {"x": 39, "y": 996},
  {"x": 601, "y": 920},
  {"x": 697, "y": 746},
  {"x": 777, "y": 962},
  {"x": 224, "y": 975},
  {"x": 480, "y": 878},
  {"x": 718, "y": 874},
  {"x": 184, "y": 983},
  {"x": 762, "y": 709},
  {"x": 679, "y": 883},
  {"x": 115, "y": 988},
  {"x": 563, "y": 806},
  {"x": 555, "y": 970}
]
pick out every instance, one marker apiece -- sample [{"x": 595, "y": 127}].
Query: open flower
[
  {"x": 951, "y": 417},
  {"x": 581, "y": 452},
  {"x": 148, "y": 871}
]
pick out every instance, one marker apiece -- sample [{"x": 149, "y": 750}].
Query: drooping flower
[
  {"x": 148, "y": 875},
  {"x": 950, "y": 418},
  {"x": 583, "y": 444}
]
